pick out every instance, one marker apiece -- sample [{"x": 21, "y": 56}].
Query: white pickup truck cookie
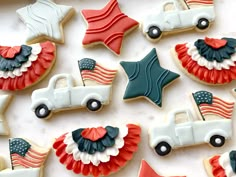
[
  {"x": 181, "y": 130},
  {"x": 62, "y": 94},
  {"x": 178, "y": 16}
]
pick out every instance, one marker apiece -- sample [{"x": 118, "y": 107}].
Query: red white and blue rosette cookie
[
  {"x": 223, "y": 165},
  {"x": 212, "y": 61},
  {"x": 97, "y": 151},
  {"x": 23, "y": 66}
]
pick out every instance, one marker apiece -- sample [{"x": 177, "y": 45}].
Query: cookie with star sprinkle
[
  {"x": 147, "y": 78},
  {"x": 44, "y": 20},
  {"x": 107, "y": 26}
]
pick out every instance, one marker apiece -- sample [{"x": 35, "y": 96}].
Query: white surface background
[{"x": 23, "y": 123}]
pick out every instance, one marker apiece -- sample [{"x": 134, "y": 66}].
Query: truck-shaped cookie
[
  {"x": 182, "y": 130},
  {"x": 177, "y": 134},
  {"x": 62, "y": 94},
  {"x": 177, "y": 16}
]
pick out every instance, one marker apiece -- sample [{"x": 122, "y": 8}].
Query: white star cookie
[
  {"x": 4, "y": 100},
  {"x": 44, "y": 20}
]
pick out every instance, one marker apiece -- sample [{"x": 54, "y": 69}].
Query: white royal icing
[
  {"x": 193, "y": 52},
  {"x": 188, "y": 132},
  {"x": 36, "y": 49},
  {"x": 177, "y": 17},
  {"x": 224, "y": 162},
  {"x": 68, "y": 95},
  {"x": 27, "y": 172},
  {"x": 43, "y": 19},
  {"x": 95, "y": 159}
]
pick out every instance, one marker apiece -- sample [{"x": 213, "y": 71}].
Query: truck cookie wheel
[
  {"x": 154, "y": 32},
  {"x": 217, "y": 141},
  {"x": 203, "y": 24},
  {"x": 163, "y": 148},
  {"x": 94, "y": 105},
  {"x": 42, "y": 111}
]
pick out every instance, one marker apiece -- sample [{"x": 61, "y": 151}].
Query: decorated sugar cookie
[
  {"x": 223, "y": 165},
  {"x": 27, "y": 159},
  {"x": 4, "y": 101},
  {"x": 171, "y": 18},
  {"x": 182, "y": 129},
  {"x": 62, "y": 94},
  {"x": 98, "y": 151},
  {"x": 25, "y": 65},
  {"x": 147, "y": 78},
  {"x": 107, "y": 26},
  {"x": 209, "y": 60},
  {"x": 44, "y": 20},
  {"x": 147, "y": 171}
]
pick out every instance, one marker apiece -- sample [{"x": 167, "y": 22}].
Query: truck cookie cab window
[{"x": 178, "y": 16}]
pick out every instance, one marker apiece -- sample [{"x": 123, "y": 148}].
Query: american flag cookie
[
  {"x": 213, "y": 125},
  {"x": 208, "y": 61},
  {"x": 98, "y": 151},
  {"x": 27, "y": 159},
  {"x": 221, "y": 165},
  {"x": 62, "y": 93}
]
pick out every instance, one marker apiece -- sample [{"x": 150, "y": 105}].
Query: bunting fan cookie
[
  {"x": 97, "y": 151},
  {"x": 209, "y": 60},
  {"x": 27, "y": 159},
  {"x": 25, "y": 65},
  {"x": 223, "y": 165}
]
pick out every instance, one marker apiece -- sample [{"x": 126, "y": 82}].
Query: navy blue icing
[
  {"x": 91, "y": 147},
  {"x": 9, "y": 64},
  {"x": 220, "y": 54},
  {"x": 86, "y": 64},
  {"x": 232, "y": 157},
  {"x": 19, "y": 146}
]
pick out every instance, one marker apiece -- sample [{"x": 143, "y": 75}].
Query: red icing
[
  {"x": 94, "y": 134},
  {"x": 209, "y": 76},
  {"x": 9, "y": 52},
  {"x": 34, "y": 73},
  {"x": 107, "y": 25},
  {"x": 217, "y": 170},
  {"x": 147, "y": 171},
  {"x": 115, "y": 163},
  {"x": 215, "y": 43}
]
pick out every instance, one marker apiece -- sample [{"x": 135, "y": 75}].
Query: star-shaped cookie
[
  {"x": 44, "y": 21},
  {"x": 107, "y": 26},
  {"x": 147, "y": 78},
  {"x": 147, "y": 171},
  {"x": 4, "y": 101}
]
